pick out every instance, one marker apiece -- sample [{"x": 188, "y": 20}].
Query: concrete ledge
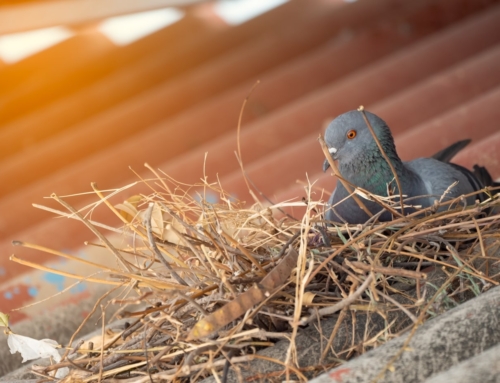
[
  {"x": 484, "y": 368},
  {"x": 462, "y": 333}
]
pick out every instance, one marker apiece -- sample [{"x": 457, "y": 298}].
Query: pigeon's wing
[
  {"x": 475, "y": 181},
  {"x": 484, "y": 176},
  {"x": 437, "y": 177},
  {"x": 342, "y": 208},
  {"x": 478, "y": 179},
  {"x": 451, "y": 151}
]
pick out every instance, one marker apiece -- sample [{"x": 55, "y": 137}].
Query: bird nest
[{"x": 217, "y": 282}]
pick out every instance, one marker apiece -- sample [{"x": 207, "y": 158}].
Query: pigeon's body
[{"x": 360, "y": 162}]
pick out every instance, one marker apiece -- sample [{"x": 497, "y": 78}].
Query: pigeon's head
[{"x": 349, "y": 139}]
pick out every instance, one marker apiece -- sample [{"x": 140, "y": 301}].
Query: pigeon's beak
[{"x": 326, "y": 164}]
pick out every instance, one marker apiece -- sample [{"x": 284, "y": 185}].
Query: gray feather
[
  {"x": 361, "y": 163},
  {"x": 451, "y": 151}
]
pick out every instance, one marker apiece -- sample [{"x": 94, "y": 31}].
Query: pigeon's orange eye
[{"x": 351, "y": 134}]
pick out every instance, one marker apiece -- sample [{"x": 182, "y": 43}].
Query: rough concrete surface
[
  {"x": 483, "y": 368},
  {"x": 445, "y": 341},
  {"x": 309, "y": 344},
  {"x": 58, "y": 324}
]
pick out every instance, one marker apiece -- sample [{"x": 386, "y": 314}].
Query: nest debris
[{"x": 219, "y": 281}]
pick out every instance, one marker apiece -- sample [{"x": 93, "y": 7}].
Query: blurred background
[{"x": 92, "y": 88}]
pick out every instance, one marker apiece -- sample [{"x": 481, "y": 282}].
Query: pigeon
[{"x": 423, "y": 180}]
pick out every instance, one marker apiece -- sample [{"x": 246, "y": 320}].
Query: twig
[
  {"x": 225, "y": 371},
  {"x": 152, "y": 243},
  {"x": 102, "y": 344},
  {"x": 386, "y": 270},
  {"x": 59, "y": 272},
  {"x": 362, "y": 110},
  {"x": 189, "y": 244},
  {"x": 92, "y": 228},
  {"x": 286, "y": 245},
  {"x": 336, "y": 172},
  {"x": 238, "y": 134},
  {"x": 183, "y": 223},
  {"x": 243, "y": 250},
  {"x": 64, "y": 255},
  {"x": 142, "y": 280},
  {"x": 399, "y": 305},
  {"x": 449, "y": 226},
  {"x": 85, "y": 321},
  {"x": 336, "y": 328},
  {"x": 340, "y": 305},
  {"x": 71, "y": 216}
]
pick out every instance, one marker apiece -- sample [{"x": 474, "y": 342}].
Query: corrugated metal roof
[{"x": 85, "y": 110}]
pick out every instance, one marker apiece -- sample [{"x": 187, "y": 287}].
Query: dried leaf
[
  {"x": 31, "y": 349},
  {"x": 308, "y": 298},
  {"x": 243, "y": 302},
  {"x": 4, "y": 320},
  {"x": 128, "y": 209}
]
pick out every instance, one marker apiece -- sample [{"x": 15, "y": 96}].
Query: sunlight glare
[
  {"x": 16, "y": 46},
  {"x": 236, "y": 12},
  {"x": 123, "y": 30}
]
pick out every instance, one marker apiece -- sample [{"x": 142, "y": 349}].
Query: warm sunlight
[
  {"x": 236, "y": 12},
  {"x": 17, "y": 46},
  {"x": 123, "y": 30}
]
